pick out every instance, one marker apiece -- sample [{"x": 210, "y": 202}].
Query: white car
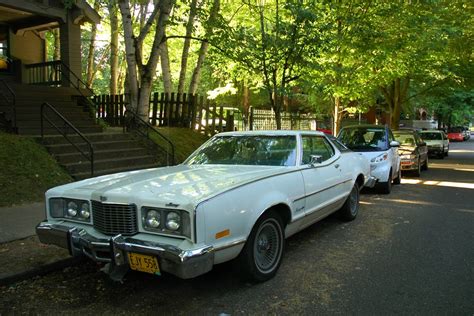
[
  {"x": 378, "y": 145},
  {"x": 437, "y": 141},
  {"x": 238, "y": 196}
]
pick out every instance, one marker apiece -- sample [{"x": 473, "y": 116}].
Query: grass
[
  {"x": 185, "y": 141},
  {"x": 27, "y": 170}
]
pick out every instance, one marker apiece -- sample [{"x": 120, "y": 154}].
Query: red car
[{"x": 456, "y": 134}]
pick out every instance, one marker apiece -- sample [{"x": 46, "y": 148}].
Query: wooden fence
[
  {"x": 175, "y": 110},
  {"x": 198, "y": 113}
]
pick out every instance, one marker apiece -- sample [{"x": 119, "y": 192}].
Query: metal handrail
[
  {"x": 149, "y": 127},
  {"x": 12, "y": 104},
  {"x": 67, "y": 124}
]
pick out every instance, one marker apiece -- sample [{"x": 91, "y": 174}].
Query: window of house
[{"x": 4, "y": 51}]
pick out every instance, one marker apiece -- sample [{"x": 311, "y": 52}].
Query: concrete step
[
  {"x": 114, "y": 163},
  {"x": 35, "y": 131},
  {"x": 105, "y": 145},
  {"x": 93, "y": 137},
  {"x": 77, "y": 157}
]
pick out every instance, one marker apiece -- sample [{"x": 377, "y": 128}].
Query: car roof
[
  {"x": 270, "y": 133},
  {"x": 365, "y": 126}
]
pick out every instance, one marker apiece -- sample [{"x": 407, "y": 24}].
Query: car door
[
  {"x": 323, "y": 181},
  {"x": 422, "y": 147}
]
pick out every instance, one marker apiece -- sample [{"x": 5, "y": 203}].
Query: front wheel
[
  {"x": 261, "y": 256},
  {"x": 350, "y": 209},
  {"x": 418, "y": 169}
]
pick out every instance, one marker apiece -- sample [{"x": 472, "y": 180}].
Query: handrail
[
  {"x": 149, "y": 127},
  {"x": 67, "y": 124},
  {"x": 12, "y": 104}
]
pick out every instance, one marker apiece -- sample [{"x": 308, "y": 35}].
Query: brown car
[{"x": 413, "y": 151}]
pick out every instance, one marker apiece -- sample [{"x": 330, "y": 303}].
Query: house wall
[{"x": 29, "y": 48}]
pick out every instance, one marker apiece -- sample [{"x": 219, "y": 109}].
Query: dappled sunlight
[
  {"x": 365, "y": 203},
  {"x": 462, "y": 185},
  {"x": 451, "y": 167},
  {"x": 409, "y": 202},
  {"x": 461, "y": 151}
]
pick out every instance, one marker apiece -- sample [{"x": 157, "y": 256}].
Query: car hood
[
  {"x": 182, "y": 185},
  {"x": 371, "y": 154}
]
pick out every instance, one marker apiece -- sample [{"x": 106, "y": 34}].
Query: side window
[
  {"x": 390, "y": 136},
  {"x": 316, "y": 145}
]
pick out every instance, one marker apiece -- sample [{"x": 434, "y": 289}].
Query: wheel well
[
  {"x": 360, "y": 181},
  {"x": 283, "y": 210}
]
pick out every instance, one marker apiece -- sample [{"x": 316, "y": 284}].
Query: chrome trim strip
[
  {"x": 231, "y": 244},
  {"x": 325, "y": 189}
]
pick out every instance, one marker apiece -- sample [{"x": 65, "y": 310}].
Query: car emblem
[
  {"x": 103, "y": 198},
  {"x": 172, "y": 205}
]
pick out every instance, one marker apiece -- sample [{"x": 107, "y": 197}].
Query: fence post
[
  {"x": 251, "y": 118},
  {"x": 229, "y": 121},
  {"x": 121, "y": 107},
  {"x": 154, "y": 108}
]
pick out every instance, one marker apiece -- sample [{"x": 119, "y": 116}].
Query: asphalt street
[{"x": 409, "y": 252}]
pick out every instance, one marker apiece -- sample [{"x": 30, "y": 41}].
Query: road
[{"x": 410, "y": 252}]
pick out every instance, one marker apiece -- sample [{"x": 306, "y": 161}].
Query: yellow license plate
[{"x": 143, "y": 263}]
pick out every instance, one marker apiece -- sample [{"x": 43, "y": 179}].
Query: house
[{"x": 49, "y": 98}]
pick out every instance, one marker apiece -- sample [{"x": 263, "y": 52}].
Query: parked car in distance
[
  {"x": 413, "y": 151},
  {"x": 437, "y": 141},
  {"x": 378, "y": 145},
  {"x": 237, "y": 197},
  {"x": 467, "y": 133},
  {"x": 456, "y": 134}
]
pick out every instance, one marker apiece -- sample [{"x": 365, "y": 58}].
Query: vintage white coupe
[{"x": 238, "y": 196}]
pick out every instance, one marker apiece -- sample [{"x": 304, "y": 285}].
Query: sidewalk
[{"x": 22, "y": 256}]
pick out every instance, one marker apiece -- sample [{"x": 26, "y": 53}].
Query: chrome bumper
[
  {"x": 371, "y": 181},
  {"x": 182, "y": 263}
]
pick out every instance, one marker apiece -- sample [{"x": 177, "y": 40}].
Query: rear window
[{"x": 431, "y": 136}]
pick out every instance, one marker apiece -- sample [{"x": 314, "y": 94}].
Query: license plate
[{"x": 143, "y": 263}]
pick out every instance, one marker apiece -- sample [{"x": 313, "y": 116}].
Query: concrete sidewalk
[
  {"x": 22, "y": 256},
  {"x": 19, "y": 222}
]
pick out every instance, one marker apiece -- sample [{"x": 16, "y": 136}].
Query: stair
[{"x": 113, "y": 151}]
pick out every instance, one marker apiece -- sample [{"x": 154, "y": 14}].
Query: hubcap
[
  {"x": 354, "y": 200},
  {"x": 267, "y": 246}
]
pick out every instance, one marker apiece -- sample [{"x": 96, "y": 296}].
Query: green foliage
[{"x": 27, "y": 170}]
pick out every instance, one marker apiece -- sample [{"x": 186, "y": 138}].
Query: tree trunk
[
  {"x": 165, "y": 68},
  {"x": 203, "y": 50},
  {"x": 337, "y": 115},
  {"x": 90, "y": 56},
  {"x": 186, "y": 45},
  {"x": 396, "y": 95},
  {"x": 114, "y": 60}
]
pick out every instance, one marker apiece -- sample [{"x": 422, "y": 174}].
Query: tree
[
  {"x": 140, "y": 74},
  {"x": 114, "y": 47}
]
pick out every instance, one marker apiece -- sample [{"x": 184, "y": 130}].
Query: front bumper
[
  {"x": 407, "y": 165},
  {"x": 371, "y": 181},
  {"x": 182, "y": 263}
]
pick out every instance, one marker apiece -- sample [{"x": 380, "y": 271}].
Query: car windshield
[
  {"x": 405, "y": 139},
  {"x": 455, "y": 130},
  {"x": 431, "y": 136},
  {"x": 247, "y": 150},
  {"x": 364, "y": 138}
]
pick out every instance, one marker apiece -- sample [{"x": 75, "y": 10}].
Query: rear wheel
[
  {"x": 425, "y": 165},
  {"x": 350, "y": 209},
  {"x": 262, "y": 253}
]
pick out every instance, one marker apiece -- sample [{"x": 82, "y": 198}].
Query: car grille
[{"x": 114, "y": 219}]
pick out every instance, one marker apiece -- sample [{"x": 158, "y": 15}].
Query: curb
[{"x": 40, "y": 271}]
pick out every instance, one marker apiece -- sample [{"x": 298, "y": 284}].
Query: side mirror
[
  {"x": 394, "y": 143},
  {"x": 315, "y": 159}
]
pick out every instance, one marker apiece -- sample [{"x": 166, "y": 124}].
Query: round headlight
[
  {"x": 85, "y": 211},
  {"x": 153, "y": 219},
  {"x": 72, "y": 209},
  {"x": 173, "y": 221}
]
